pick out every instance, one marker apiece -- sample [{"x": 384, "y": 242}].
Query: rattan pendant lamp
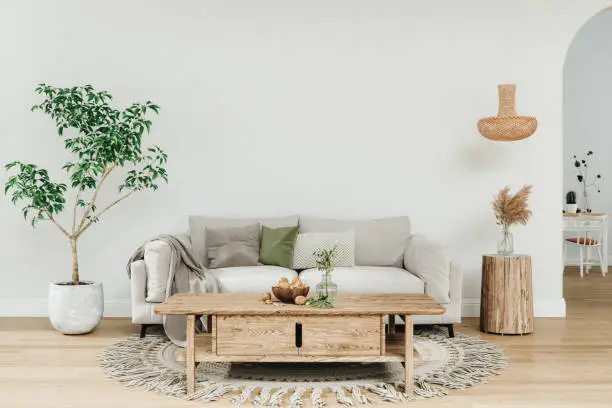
[{"x": 507, "y": 126}]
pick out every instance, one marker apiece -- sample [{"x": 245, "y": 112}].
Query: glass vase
[
  {"x": 505, "y": 243},
  {"x": 587, "y": 201},
  {"x": 327, "y": 287}
]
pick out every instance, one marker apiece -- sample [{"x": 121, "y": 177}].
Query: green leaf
[{"x": 11, "y": 165}]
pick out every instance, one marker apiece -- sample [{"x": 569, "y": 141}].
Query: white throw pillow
[
  {"x": 157, "y": 265},
  {"x": 307, "y": 244}
]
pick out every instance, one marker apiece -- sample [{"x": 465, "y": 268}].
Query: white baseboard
[
  {"x": 541, "y": 308},
  {"x": 37, "y": 307},
  {"x": 549, "y": 308},
  {"x": 19, "y": 307},
  {"x": 118, "y": 308},
  {"x": 470, "y": 308},
  {"x": 34, "y": 307}
]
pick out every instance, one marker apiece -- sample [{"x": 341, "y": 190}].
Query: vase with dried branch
[
  {"x": 510, "y": 210},
  {"x": 588, "y": 181}
]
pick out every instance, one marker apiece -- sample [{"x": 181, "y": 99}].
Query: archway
[{"x": 587, "y": 135}]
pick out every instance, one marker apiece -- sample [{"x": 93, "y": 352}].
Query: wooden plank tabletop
[{"x": 252, "y": 305}]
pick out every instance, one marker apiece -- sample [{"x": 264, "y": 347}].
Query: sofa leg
[
  {"x": 143, "y": 330},
  {"x": 451, "y": 330}
]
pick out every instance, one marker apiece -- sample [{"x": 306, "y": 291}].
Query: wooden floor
[{"x": 566, "y": 363}]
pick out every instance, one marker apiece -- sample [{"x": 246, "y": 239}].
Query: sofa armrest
[
  {"x": 143, "y": 312},
  {"x": 430, "y": 261},
  {"x": 456, "y": 283},
  {"x": 138, "y": 288},
  {"x": 157, "y": 258},
  {"x": 138, "y": 281}
]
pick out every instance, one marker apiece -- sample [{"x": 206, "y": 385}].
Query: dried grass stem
[{"x": 512, "y": 209}]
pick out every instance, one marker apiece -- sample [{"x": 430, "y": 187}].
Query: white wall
[
  {"x": 587, "y": 118},
  {"x": 337, "y": 108}
]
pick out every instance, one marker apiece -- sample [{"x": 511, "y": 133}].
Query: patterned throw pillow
[{"x": 308, "y": 243}]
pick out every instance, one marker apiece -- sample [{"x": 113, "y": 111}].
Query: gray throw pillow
[{"x": 231, "y": 247}]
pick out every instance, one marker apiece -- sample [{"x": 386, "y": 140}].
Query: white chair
[{"x": 588, "y": 231}]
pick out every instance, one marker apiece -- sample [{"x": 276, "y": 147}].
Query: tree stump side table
[{"x": 506, "y": 300}]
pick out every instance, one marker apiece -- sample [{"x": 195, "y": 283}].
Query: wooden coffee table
[{"x": 245, "y": 329}]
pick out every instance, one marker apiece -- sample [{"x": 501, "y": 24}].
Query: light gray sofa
[{"x": 388, "y": 258}]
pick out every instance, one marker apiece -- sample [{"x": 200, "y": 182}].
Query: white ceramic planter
[
  {"x": 571, "y": 208},
  {"x": 76, "y": 309}
]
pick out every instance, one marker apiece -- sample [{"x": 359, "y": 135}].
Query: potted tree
[{"x": 103, "y": 140}]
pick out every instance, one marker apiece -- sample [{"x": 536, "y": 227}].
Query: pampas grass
[{"x": 512, "y": 209}]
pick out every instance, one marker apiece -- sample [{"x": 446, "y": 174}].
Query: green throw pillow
[{"x": 277, "y": 246}]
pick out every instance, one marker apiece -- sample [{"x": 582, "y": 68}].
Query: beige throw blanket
[{"x": 186, "y": 275}]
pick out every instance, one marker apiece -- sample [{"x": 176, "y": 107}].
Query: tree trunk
[
  {"x": 506, "y": 302},
  {"x": 75, "y": 262}
]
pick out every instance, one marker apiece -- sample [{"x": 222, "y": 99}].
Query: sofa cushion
[
  {"x": 237, "y": 246},
  {"x": 307, "y": 244},
  {"x": 157, "y": 264},
  {"x": 254, "y": 279},
  {"x": 368, "y": 279},
  {"x": 277, "y": 246},
  {"x": 429, "y": 261},
  {"x": 378, "y": 242},
  {"x": 198, "y": 223}
]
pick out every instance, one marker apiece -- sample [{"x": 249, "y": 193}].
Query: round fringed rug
[{"x": 441, "y": 364}]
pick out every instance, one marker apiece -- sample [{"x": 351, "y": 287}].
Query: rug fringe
[
  {"x": 359, "y": 397},
  {"x": 211, "y": 393},
  {"x": 316, "y": 397},
  {"x": 386, "y": 392},
  {"x": 244, "y": 396},
  {"x": 263, "y": 397},
  {"x": 297, "y": 399},
  {"x": 276, "y": 400},
  {"x": 479, "y": 360},
  {"x": 341, "y": 397}
]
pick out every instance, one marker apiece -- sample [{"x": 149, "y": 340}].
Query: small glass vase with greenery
[{"x": 326, "y": 290}]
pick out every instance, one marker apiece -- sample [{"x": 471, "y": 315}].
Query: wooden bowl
[{"x": 287, "y": 295}]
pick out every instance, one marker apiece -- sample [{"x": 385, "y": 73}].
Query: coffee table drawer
[
  {"x": 256, "y": 336},
  {"x": 340, "y": 335}
]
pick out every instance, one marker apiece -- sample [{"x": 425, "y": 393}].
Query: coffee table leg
[
  {"x": 190, "y": 350},
  {"x": 391, "y": 325},
  {"x": 409, "y": 384}
]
